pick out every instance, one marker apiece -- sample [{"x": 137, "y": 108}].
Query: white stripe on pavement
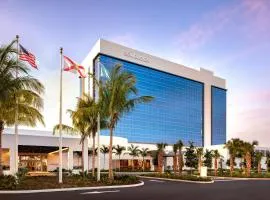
[
  {"x": 157, "y": 181},
  {"x": 100, "y": 192}
]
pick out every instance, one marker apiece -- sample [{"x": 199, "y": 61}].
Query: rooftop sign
[{"x": 136, "y": 56}]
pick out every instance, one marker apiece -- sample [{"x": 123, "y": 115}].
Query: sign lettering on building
[{"x": 136, "y": 56}]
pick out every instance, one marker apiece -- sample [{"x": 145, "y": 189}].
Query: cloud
[{"x": 249, "y": 18}]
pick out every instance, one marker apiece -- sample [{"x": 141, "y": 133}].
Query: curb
[
  {"x": 178, "y": 180},
  {"x": 70, "y": 189},
  {"x": 240, "y": 179}
]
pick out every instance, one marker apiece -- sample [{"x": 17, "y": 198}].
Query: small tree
[
  {"x": 208, "y": 158},
  {"x": 134, "y": 152},
  {"x": 180, "y": 145},
  {"x": 199, "y": 153},
  {"x": 104, "y": 150},
  {"x": 118, "y": 151},
  {"x": 248, "y": 148},
  {"x": 259, "y": 156},
  {"x": 191, "y": 157},
  {"x": 216, "y": 156},
  {"x": 144, "y": 152}
]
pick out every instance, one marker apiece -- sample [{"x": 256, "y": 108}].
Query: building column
[
  {"x": 85, "y": 154},
  {"x": 12, "y": 160},
  {"x": 70, "y": 158},
  {"x": 207, "y": 115}
]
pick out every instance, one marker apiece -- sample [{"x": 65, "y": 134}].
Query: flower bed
[{"x": 49, "y": 182}]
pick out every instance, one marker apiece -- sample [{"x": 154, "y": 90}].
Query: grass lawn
[{"x": 50, "y": 182}]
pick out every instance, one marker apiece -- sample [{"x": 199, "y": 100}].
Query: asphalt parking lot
[{"x": 156, "y": 189}]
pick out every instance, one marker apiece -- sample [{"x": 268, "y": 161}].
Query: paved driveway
[{"x": 164, "y": 190}]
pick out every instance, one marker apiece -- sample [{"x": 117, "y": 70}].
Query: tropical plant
[
  {"x": 191, "y": 157},
  {"x": 21, "y": 95},
  {"x": 216, "y": 156},
  {"x": 180, "y": 145},
  {"x": 248, "y": 148},
  {"x": 208, "y": 158},
  {"x": 118, "y": 95},
  {"x": 144, "y": 152},
  {"x": 233, "y": 146},
  {"x": 160, "y": 150},
  {"x": 104, "y": 150},
  {"x": 268, "y": 160},
  {"x": 134, "y": 152},
  {"x": 118, "y": 151},
  {"x": 199, "y": 152},
  {"x": 175, "y": 149},
  {"x": 259, "y": 156}
]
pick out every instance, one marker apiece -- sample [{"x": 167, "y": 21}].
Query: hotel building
[{"x": 188, "y": 104}]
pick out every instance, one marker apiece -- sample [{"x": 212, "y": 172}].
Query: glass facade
[
  {"x": 218, "y": 116},
  {"x": 175, "y": 113}
]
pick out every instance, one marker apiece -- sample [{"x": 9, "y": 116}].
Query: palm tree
[
  {"x": 118, "y": 151},
  {"x": 144, "y": 152},
  {"x": 20, "y": 94},
  {"x": 116, "y": 95},
  {"x": 233, "y": 146},
  {"x": 84, "y": 122},
  {"x": 160, "y": 150},
  {"x": 248, "y": 149},
  {"x": 216, "y": 156},
  {"x": 134, "y": 152},
  {"x": 259, "y": 156},
  {"x": 104, "y": 150},
  {"x": 175, "y": 149},
  {"x": 180, "y": 145},
  {"x": 199, "y": 153}
]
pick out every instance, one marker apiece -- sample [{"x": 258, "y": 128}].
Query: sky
[{"x": 229, "y": 37}]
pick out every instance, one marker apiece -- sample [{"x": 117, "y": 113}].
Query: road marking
[
  {"x": 223, "y": 180},
  {"x": 100, "y": 192},
  {"x": 157, "y": 181}
]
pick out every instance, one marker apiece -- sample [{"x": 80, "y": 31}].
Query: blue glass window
[
  {"x": 218, "y": 116},
  {"x": 175, "y": 113}
]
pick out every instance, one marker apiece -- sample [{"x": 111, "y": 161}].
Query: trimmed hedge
[
  {"x": 50, "y": 182},
  {"x": 180, "y": 177}
]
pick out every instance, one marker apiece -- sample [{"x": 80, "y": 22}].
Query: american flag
[{"x": 27, "y": 56}]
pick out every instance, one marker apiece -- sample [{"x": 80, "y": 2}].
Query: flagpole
[
  {"x": 60, "y": 119},
  {"x": 98, "y": 127},
  {"x": 16, "y": 114}
]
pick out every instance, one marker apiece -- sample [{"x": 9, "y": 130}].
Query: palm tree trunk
[
  {"x": 175, "y": 163},
  {"x": 248, "y": 160},
  {"x": 104, "y": 161},
  {"x": 160, "y": 161},
  {"x": 82, "y": 156},
  {"x": 180, "y": 163},
  {"x": 231, "y": 165},
  {"x": 1, "y": 132},
  {"x": 119, "y": 164},
  {"x": 216, "y": 167},
  {"x": 93, "y": 156},
  {"x": 143, "y": 164},
  {"x": 200, "y": 164},
  {"x": 132, "y": 163},
  {"x": 110, "y": 154},
  {"x": 259, "y": 167}
]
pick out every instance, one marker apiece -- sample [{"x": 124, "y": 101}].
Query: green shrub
[
  {"x": 180, "y": 177},
  {"x": 7, "y": 182}
]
